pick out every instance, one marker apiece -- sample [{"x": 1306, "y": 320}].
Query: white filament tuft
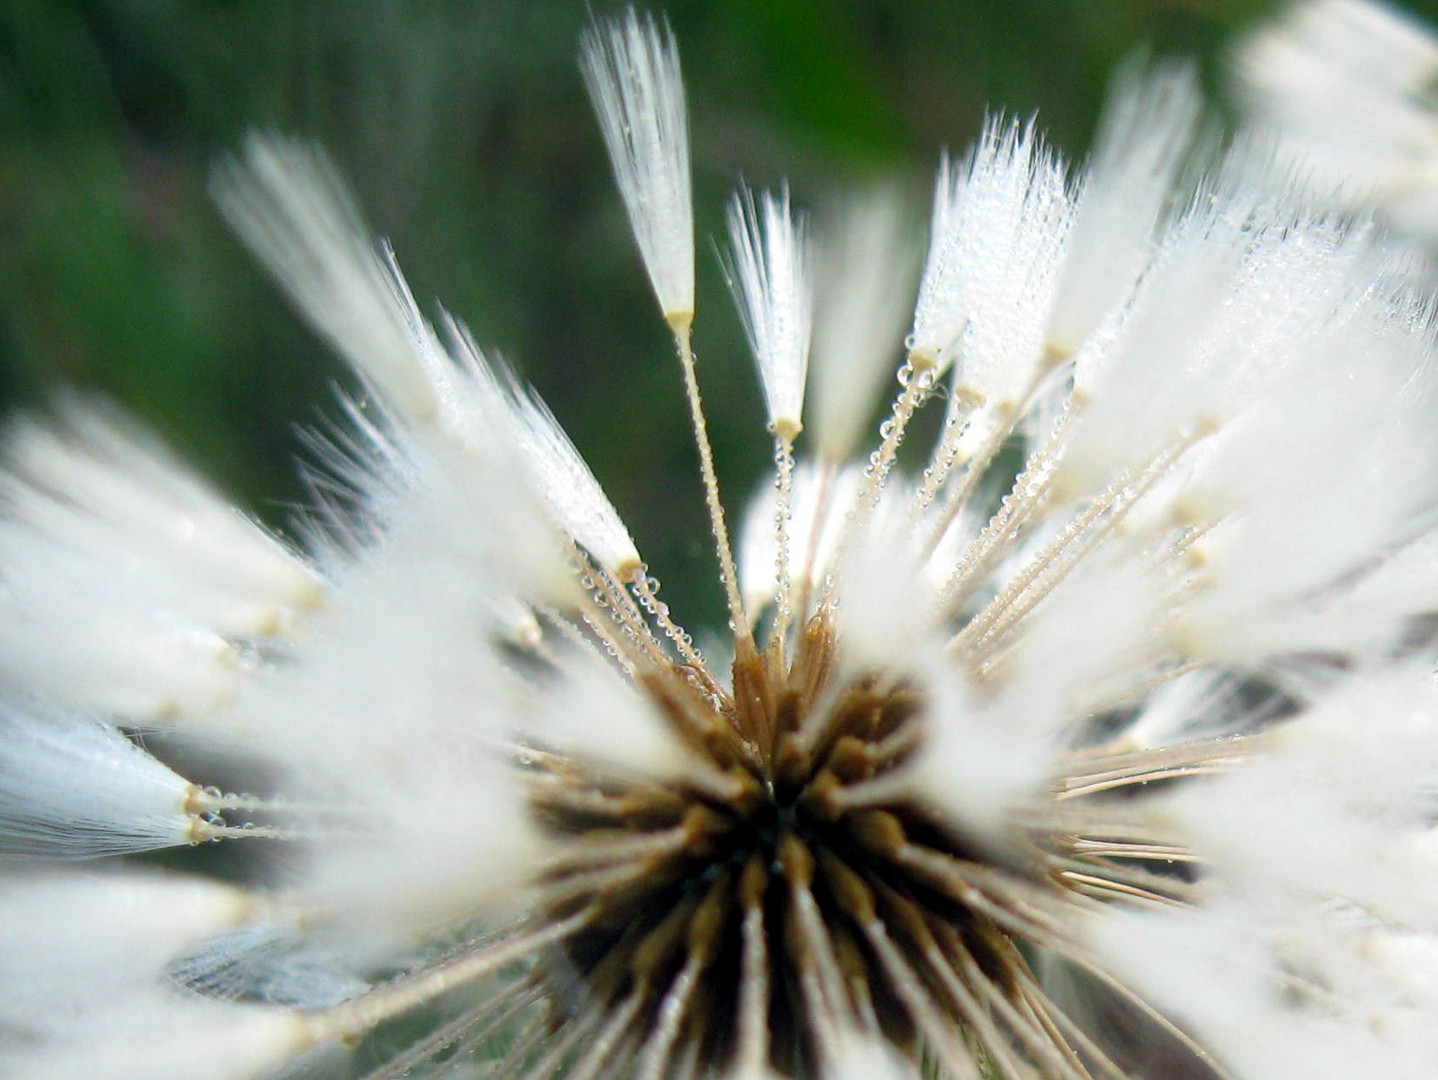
[
  {"x": 631, "y": 67},
  {"x": 772, "y": 283}
]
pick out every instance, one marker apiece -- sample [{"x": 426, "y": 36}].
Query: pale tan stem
[
  {"x": 682, "y": 327},
  {"x": 784, "y": 497},
  {"x": 353, "y": 1018},
  {"x": 647, "y": 589}
]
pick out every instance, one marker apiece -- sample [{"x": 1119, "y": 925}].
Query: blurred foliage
[{"x": 465, "y": 130}]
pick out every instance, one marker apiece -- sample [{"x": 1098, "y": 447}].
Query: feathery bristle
[{"x": 1094, "y": 740}]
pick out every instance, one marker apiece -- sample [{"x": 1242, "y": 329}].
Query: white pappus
[{"x": 1094, "y": 739}]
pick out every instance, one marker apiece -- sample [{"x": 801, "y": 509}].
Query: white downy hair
[
  {"x": 1346, "y": 87},
  {"x": 773, "y": 286},
  {"x": 1098, "y": 738},
  {"x": 631, "y": 67},
  {"x": 866, "y": 265}
]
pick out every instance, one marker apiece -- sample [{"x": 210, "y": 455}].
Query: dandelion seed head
[{"x": 1094, "y": 738}]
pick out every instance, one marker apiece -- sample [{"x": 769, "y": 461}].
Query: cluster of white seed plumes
[
  {"x": 1348, "y": 87},
  {"x": 1101, "y": 744}
]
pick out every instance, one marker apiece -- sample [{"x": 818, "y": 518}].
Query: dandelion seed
[{"x": 1115, "y": 762}]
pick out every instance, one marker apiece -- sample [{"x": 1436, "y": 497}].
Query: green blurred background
[{"x": 465, "y": 130}]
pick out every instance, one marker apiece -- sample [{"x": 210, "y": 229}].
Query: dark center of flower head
[{"x": 776, "y": 896}]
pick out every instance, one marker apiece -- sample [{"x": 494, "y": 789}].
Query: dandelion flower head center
[
  {"x": 761, "y": 872},
  {"x": 1020, "y": 763}
]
